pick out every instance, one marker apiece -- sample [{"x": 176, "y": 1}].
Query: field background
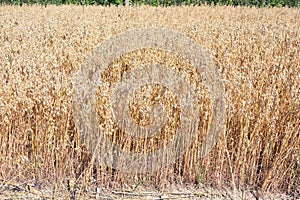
[
  {"x": 261, "y": 3},
  {"x": 257, "y": 51}
]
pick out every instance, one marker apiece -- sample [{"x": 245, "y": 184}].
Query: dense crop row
[{"x": 257, "y": 51}]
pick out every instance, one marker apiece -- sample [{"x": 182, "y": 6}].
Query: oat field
[{"x": 256, "y": 51}]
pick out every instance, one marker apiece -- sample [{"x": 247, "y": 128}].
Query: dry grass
[{"x": 256, "y": 50}]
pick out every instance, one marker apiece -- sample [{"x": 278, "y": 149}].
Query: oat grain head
[{"x": 146, "y": 75}]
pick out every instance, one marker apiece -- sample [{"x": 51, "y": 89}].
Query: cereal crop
[{"x": 256, "y": 51}]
